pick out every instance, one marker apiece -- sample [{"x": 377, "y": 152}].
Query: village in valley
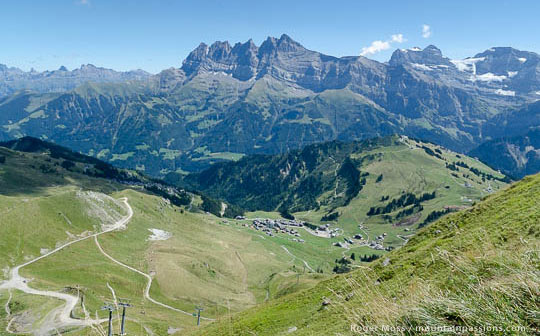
[{"x": 293, "y": 227}]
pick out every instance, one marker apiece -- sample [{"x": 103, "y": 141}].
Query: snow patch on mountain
[
  {"x": 522, "y": 59},
  {"x": 488, "y": 77},
  {"x": 468, "y": 64},
  {"x": 421, "y": 66},
  {"x": 505, "y": 92}
]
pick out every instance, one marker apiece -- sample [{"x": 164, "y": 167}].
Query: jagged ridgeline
[{"x": 228, "y": 101}]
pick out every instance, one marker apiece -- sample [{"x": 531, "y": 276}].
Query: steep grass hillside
[{"x": 475, "y": 271}]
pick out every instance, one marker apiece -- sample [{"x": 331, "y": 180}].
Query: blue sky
[{"x": 157, "y": 34}]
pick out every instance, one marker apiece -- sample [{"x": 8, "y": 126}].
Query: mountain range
[
  {"x": 228, "y": 101},
  {"x": 13, "y": 79}
]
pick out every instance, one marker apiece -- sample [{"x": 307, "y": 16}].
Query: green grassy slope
[
  {"x": 219, "y": 265},
  {"x": 347, "y": 179},
  {"x": 478, "y": 268}
]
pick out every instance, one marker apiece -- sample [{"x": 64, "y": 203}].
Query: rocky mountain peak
[
  {"x": 88, "y": 67},
  {"x": 245, "y": 53},
  {"x": 433, "y": 49},
  {"x": 195, "y": 57},
  {"x": 219, "y": 50},
  {"x": 501, "y": 60},
  {"x": 500, "y": 52},
  {"x": 240, "y": 48},
  {"x": 268, "y": 46},
  {"x": 287, "y": 44},
  {"x": 431, "y": 55},
  {"x": 248, "y": 49},
  {"x": 198, "y": 53}
]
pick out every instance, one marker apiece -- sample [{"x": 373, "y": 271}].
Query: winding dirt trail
[
  {"x": 148, "y": 284},
  {"x": 295, "y": 257},
  {"x": 60, "y": 317},
  {"x": 6, "y": 307}
]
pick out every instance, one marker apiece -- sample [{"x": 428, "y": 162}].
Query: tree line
[{"x": 403, "y": 201}]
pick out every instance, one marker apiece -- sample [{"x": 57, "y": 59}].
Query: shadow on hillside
[{"x": 34, "y": 175}]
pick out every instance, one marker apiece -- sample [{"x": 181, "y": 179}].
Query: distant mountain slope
[
  {"x": 193, "y": 126},
  {"x": 459, "y": 274},
  {"x": 513, "y": 122},
  {"x": 516, "y": 156},
  {"x": 227, "y": 101},
  {"x": 61, "y": 80},
  {"x": 297, "y": 180},
  {"x": 293, "y": 182},
  {"x": 388, "y": 186}
]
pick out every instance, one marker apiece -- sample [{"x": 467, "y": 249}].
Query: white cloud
[
  {"x": 398, "y": 38},
  {"x": 375, "y": 47},
  {"x": 84, "y": 2},
  {"x": 378, "y": 46},
  {"x": 426, "y": 31}
]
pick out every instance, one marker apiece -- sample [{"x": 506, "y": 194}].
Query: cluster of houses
[
  {"x": 277, "y": 223},
  {"x": 328, "y": 231},
  {"x": 274, "y": 226},
  {"x": 376, "y": 244},
  {"x": 347, "y": 241},
  {"x": 271, "y": 227}
]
